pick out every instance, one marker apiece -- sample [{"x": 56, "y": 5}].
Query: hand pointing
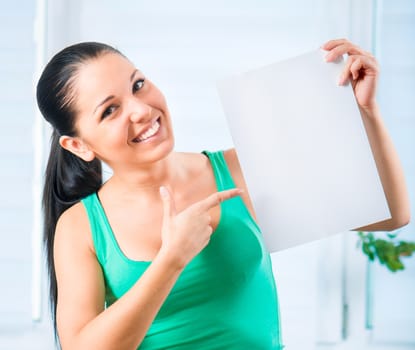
[{"x": 186, "y": 233}]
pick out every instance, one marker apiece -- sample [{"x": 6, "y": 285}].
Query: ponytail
[{"x": 67, "y": 180}]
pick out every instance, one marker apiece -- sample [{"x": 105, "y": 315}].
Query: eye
[
  {"x": 138, "y": 85},
  {"x": 108, "y": 111}
]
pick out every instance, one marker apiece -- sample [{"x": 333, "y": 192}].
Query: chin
[{"x": 163, "y": 150}]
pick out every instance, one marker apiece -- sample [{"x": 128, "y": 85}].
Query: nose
[{"x": 139, "y": 111}]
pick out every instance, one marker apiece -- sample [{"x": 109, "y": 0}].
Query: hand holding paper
[{"x": 360, "y": 66}]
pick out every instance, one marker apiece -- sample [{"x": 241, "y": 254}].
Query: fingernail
[{"x": 163, "y": 191}]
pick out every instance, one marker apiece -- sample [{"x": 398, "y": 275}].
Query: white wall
[
  {"x": 17, "y": 65},
  {"x": 16, "y": 95}
]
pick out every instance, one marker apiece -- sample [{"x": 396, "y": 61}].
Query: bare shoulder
[
  {"x": 190, "y": 158},
  {"x": 194, "y": 163},
  {"x": 232, "y": 161},
  {"x": 77, "y": 211},
  {"x": 197, "y": 162},
  {"x": 73, "y": 228}
]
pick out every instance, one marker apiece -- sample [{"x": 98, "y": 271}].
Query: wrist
[
  {"x": 370, "y": 111},
  {"x": 170, "y": 260}
]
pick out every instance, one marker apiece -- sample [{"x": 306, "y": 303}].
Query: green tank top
[{"x": 225, "y": 298}]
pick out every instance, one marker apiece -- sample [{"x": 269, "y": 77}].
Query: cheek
[
  {"x": 157, "y": 99},
  {"x": 115, "y": 133},
  {"x": 108, "y": 137}
]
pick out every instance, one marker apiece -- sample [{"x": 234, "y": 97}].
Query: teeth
[{"x": 150, "y": 132}]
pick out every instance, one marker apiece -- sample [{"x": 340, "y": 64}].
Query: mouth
[{"x": 148, "y": 133}]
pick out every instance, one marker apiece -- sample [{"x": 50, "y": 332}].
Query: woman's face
[{"x": 121, "y": 116}]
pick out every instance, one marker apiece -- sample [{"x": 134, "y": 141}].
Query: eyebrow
[
  {"x": 104, "y": 101},
  {"x": 112, "y": 96},
  {"x": 133, "y": 75}
]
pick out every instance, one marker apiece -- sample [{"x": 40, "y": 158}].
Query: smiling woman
[{"x": 145, "y": 259}]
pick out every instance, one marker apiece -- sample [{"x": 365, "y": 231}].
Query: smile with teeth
[{"x": 149, "y": 132}]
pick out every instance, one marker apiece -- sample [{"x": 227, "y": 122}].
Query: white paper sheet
[{"x": 303, "y": 150}]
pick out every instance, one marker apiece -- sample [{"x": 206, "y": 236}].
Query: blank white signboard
[{"x": 303, "y": 150}]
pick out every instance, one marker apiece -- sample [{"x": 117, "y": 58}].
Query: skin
[{"x": 174, "y": 193}]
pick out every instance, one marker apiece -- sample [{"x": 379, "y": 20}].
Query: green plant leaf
[
  {"x": 387, "y": 251},
  {"x": 395, "y": 265},
  {"x": 366, "y": 249},
  {"x": 392, "y": 235},
  {"x": 405, "y": 248}
]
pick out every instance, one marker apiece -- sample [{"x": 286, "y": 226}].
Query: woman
[{"x": 148, "y": 258}]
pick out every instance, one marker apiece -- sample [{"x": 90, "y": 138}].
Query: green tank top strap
[
  {"x": 224, "y": 181},
  {"x": 221, "y": 171},
  {"x": 101, "y": 231}
]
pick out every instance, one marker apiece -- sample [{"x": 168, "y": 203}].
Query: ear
[{"x": 77, "y": 147}]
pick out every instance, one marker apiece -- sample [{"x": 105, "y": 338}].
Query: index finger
[{"x": 217, "y": 198}]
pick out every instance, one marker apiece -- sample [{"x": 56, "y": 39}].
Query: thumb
[{"x": 169, "y": 208}]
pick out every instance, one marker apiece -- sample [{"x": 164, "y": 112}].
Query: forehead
[{"x": 100, "y": 77}]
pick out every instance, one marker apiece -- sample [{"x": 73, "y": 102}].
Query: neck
[{"x": 146, "y": 178}]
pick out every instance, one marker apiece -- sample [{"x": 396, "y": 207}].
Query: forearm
[
  {"x": 390, "y": 172},
  {"x": 124, "y": 324}
]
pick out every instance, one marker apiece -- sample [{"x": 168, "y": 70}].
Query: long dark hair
[{"x": 68, "y": 178}]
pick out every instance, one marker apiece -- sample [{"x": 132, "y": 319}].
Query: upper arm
[
  {"x": 80, "y": 283},
  {"x": 233, "y": 163}
]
